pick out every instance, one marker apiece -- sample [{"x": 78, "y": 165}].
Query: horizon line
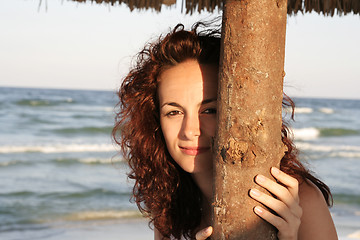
[{"x": 115, "y": 89}]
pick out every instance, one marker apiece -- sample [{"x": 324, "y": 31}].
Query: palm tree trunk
[{"x": 248, "y": 140}]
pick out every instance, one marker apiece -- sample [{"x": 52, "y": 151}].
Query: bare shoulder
[{"x": 316, "y": 221}]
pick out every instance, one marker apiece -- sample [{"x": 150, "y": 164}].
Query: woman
[{"x": 166, "y": 120}]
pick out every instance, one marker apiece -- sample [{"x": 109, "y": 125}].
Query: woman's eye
[
  {"x": 173, "y": 113},
  {"x": 210, "y": 111}
]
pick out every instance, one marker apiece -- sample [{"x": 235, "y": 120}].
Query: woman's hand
[
  {"x": 204, "y": 233},
  {"x": 286, "y": 203}
]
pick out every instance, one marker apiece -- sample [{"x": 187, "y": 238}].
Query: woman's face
[{"x": 187, "y": 95}]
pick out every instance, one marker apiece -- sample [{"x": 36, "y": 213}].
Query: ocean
[{"x": 59, "y": 167}]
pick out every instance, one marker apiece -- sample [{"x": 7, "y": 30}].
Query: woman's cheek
[{"x": 208, "y": 125}]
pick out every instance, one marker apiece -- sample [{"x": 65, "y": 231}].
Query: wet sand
[
  {"x": 132, "y": 229},
  {"x": 137, "y": 229}
]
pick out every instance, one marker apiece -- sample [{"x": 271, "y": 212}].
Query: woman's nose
[{"x": 190, "y": 127}]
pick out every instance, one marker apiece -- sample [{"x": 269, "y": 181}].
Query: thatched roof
[{"x": 326, "y": 7}]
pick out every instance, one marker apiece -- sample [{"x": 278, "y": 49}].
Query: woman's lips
[{"x": 194, "y": 150}]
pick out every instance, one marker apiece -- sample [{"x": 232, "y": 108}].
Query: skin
[{"x": 187, "y": 95}]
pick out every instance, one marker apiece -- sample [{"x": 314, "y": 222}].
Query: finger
[
  {"x": 290, "y": 182},
  {"x": 278, "y": 190},
  {"x": 204, "y": 234},
  {"x": 281, "y": 192},
  {"x": 269, "y": 217},
  {"x": 284, "y": 227},
  {"x": 278, "y": 206}
]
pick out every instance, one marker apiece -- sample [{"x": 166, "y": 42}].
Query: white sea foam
[
  {"x": 306, "y": 133},
  {"x": 354, "y": 235},
  {"x": 108, "y": 109},
  {"x": 98, "y": 160},
  {"x": 303, "y": 110},
  {"x": 326, "y": 110},
  {"x": 299, "y": 110},
  {"x": 57, "y": 148},
  {"x": 344, "y": 151},
  {"x": 5, "y": 164},
  {"x": 313, "y": 147},
  {"x": 345, "y": 154},
  {"x": 101, "y": 215}
]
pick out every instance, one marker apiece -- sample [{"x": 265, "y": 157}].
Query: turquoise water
[{"x": 58, "y": 164}]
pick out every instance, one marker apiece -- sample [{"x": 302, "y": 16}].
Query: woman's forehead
[{"x": 188, "y": 80}]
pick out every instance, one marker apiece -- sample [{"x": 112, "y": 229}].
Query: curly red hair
[{"x": 163, "y": 191}]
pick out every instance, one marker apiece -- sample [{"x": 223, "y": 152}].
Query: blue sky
[{"x": 64, "y": 44}]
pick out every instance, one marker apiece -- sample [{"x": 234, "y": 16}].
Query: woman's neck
[{"x": 204, "y": 181}]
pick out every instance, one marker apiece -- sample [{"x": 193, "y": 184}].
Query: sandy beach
[
  {"x": 137, "y": 229},
  {"x": 132, "y": 229}
]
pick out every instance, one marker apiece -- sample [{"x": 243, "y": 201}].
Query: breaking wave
[
  {"x": 42, "y": 102},
  {"x": 84, "y": 130},
  {"x": 59, "y": 148},
  {"x": 313, "y": 133}
]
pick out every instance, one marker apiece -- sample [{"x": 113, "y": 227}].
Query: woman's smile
[{"x": 193, "y": 151}]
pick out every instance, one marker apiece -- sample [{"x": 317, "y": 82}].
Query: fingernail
[
  {"x": 255, "y": 192},
  {"x": 275, "y": 171},
  {"x": 260, "y": 178},
  {"x": 258, "y": 210},
  {"x": 207, "y": 231}
]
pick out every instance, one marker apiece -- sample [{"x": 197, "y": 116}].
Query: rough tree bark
[{"x": 248, "y": 140}]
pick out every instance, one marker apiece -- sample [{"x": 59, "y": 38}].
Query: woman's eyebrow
[
  {"x": 208, "y": 100},
  {"x": 174, "y": 104}
]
